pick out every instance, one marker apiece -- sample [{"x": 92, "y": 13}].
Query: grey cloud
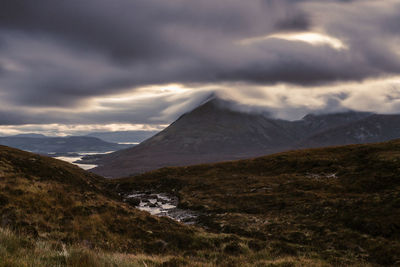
[
  {"x": 139, "y": 42},
  {"x": 64, "y": 53},
  {"x": 153, "y": 110},
  {"x": 299, "y": 22}
]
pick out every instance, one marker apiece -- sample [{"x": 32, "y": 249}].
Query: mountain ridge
[
  {"x": 218, "y": 131},
  {"x": 46, "y": 145}
]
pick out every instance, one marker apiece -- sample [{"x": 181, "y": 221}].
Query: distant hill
[
  {"x": 216, "y": 131},
  {"x": 32, "y": 135},
  {"x": 45, "y": 145},
  {"x": 124, "y": 136}
]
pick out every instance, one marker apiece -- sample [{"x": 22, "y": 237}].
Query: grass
[
  {"x": 336, "y": 206},
  {"x": 341, "y": 203},
  {"x": 16, "y": 250},
  {"x": 22, "y": 251}
]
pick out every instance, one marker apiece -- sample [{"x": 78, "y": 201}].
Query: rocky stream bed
[{"x": 160, "y": 204}]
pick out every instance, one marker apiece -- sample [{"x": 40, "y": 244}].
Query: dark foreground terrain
[{"x": 336, "y": 206}]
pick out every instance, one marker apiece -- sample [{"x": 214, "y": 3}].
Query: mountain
[
  {"x": 217, "y": 131},
  {"x": 369, "y": 129},
  {"x": 124, "y": 136},
  {"x": 212, "y": 132},
  {"x": 45, "y": 145}
]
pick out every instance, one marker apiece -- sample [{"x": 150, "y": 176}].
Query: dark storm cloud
[
  {"x": 299, "y": 22},
  {"x": 130, "y": 30},
  {"x": 64, "y": 53},
  {"x": 69, "y": 50}
]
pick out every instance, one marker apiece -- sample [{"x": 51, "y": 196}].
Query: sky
[{"x": 72, "y": 67}]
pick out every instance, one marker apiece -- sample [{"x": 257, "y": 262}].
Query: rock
[{"x": 133, "y": 201}]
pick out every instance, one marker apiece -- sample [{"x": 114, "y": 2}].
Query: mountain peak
[
  {"x": 220, "y": 130},
  {"x": 211, "y": 106}
]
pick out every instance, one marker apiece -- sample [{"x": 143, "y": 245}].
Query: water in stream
[{"x": 161, "y": 204}]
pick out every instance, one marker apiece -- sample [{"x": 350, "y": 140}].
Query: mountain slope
[
  {"x": 124, "y": 136},
  {"x": 210, "y": 133},
  {"x": 214, "y": 132},
  {"x": 373, "y": 128}
]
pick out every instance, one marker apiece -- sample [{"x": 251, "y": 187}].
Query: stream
[{"x": 161, "y": 204}]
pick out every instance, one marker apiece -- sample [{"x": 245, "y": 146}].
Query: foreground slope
[
  {"x": 54, "y": 214},
  {"x": 53, "y": 200},
  {"x": 341, "y": 204}
]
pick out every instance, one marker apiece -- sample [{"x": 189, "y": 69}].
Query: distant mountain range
[
  {"x": 42, "y": 144},
  {"x": 215, "y": 131}
]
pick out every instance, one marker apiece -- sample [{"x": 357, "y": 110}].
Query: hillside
[
  {"x": 55, "y": 200},
  {"x": 335, "y": 206},
  {"x": 44, "y": 145},
  {"x": 217, "y": 131},
  {"x": 124, "y": 136},
  {"x": 55, "y": 214},
  {"x": 340, "y": 204},
  {"x": 51, "y": 202}
]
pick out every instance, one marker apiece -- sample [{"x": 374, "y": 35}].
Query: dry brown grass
[
  {"x": 280, "y": 210},
  {"x": 291, "y": 203}
]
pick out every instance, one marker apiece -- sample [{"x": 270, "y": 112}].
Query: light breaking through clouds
[{"x": 99, "y": 64}]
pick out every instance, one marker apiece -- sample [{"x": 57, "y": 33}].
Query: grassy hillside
[
  {"x": 47, "y": 198},
  {"x": 322, "y": 207},
  {"x": 340, "y": 204},
  {"x": 54, "y": 214},
  {"x": 50, "y": 200}
]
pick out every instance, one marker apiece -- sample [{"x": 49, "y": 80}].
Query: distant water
[{"x": 78, "y": 156}]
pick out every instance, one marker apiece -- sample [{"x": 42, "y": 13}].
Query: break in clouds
[{"x": 147, "y": 61}]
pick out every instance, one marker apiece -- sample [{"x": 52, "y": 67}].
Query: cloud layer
[{"x": 65, "y": 61}]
